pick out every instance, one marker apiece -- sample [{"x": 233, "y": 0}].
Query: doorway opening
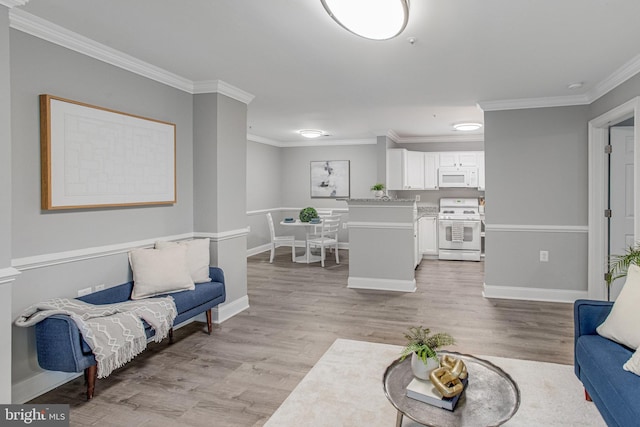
[{"x": 599, "y": 232}]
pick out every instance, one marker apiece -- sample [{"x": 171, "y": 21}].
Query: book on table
[{"x": 425, "y": 391}]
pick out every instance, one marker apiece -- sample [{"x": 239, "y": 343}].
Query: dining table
[{"x": 309, "y": 230}]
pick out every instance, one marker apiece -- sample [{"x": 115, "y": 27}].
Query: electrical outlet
[
  {"x": 99, "y": 287},
  {"x": 544, "y": 256},
  {"x": 85, "y": 291},
  {"x": 344, "y": 225},
  {"x": 417, "y": 197}
]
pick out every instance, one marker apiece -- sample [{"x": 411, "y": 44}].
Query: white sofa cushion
[
  {"x": 197, "y": 257},
  {"x": 622, "y": 323},
  {"x": 159, "y": 271},
  {"x": 633, "y": 364}
]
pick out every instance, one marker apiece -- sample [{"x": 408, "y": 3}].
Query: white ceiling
[{"x": 307, "y": 72}]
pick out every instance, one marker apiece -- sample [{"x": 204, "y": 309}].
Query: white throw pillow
[
  {"x": 197, "y": 257},
  {"x": 622, "y": 323},
  {"x": 157, "y": 272},
  {"x": 633, "y": 364}
]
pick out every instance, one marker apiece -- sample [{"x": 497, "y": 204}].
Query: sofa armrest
[
  {"x": 588, "y": 315},
  {"x": 216, "y": 274},
  {"x": 59, "y": 345}
]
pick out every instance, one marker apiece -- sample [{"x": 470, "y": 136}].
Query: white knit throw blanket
[{"x": 114, "y": 332}]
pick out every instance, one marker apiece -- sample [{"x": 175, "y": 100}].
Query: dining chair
[
  {"x": 322, "y": 213},
  {"x": 327, "y": 238},
  {"x": 280, "y": 240}
]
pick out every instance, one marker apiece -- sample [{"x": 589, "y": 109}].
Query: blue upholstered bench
[{"x": 60, "y": 345}]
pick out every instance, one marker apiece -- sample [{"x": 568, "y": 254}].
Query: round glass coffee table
[{"x": 490, "y": 399}]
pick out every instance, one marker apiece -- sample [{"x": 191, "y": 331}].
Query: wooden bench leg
[
  {"x": 90, "y": 375},
  {"x": 586, "y": 396},
  {"x": 209, "y": 322},
  {"x": 171, "y": 336}
]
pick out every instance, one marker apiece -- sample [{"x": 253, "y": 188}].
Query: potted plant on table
[
  {"x": 307, "y": 214},
  {"x": 422, "y": 346},
  {"x": 378, "y": 190},
  {"x": 619, "y": 264}
]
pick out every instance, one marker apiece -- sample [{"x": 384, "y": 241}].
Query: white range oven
[{"x": 459, "y": 229}]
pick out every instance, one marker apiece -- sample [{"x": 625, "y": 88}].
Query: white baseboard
[
  {"x": 39, "y": 384},
  {"x": 381, "y": 284},
  {"x": 532, "y": 294},
  {"x": 226, "y": 311}
]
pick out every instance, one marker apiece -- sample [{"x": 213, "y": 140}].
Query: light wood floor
[{"x": 241, "y": 374}]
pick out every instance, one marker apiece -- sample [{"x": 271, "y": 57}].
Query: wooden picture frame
[
  {"x": 95, "y": 157},
  {"x": 330, "y": 179}
]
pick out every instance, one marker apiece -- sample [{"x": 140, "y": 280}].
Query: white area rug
[{"x": 345, "y": 389}]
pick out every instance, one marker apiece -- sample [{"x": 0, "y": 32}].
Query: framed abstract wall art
[
  {"x": 95, "y": 157},
  {"x": 330, "y": 179}
]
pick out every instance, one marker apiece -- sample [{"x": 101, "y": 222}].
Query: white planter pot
[
  {"x": 420, "y": 369},
  {"x": 378, "y": 194}
]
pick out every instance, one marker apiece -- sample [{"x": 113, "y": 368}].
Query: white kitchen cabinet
[
  {"x": 428, "y": 234},
  {"x": 431, "y": 165},
  {"x": 480, "y": 160},
  {"x": 458, "y": 158},
  {"x": 405, "y": 169},
  {"x": 415, "y": 170}
]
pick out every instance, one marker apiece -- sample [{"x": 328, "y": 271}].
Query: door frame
[{"x": 598, "y": 138}]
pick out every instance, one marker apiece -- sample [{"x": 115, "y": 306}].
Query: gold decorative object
[
  {"x": 447, "y": 378},
  {"x": 456, "y": 366}
]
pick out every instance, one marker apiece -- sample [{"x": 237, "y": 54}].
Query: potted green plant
[
  {"x": 307, "y": 214},
  {"x": 422, "y": 346},
  {"x": 619, "y": 264},
  {"x": 378, "y": 190}
]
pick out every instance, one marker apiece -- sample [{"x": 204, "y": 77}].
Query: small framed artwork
[{"x": 330, "y": 179}]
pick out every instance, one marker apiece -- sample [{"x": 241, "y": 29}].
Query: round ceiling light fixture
[
  {"x": 371, "y": 19},
  {"x": 311, "y": 133},
  {"x": 467, "y": 127}
]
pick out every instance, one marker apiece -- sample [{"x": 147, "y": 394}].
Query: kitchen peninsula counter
[{"x": 382, "y": 244}]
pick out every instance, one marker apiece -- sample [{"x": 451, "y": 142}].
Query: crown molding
[
  {"x": 392, "y": 135},
  {"x": 441, "y": 138},
  {"x": 311, "y": 143},
  {"x": 43, "y": 29},
  {"x": 46, "y": 30},
  {"x": 262, "y": 140},
  {"x": 523, "y": 103},
  {"x": 218, "y": 86},
  {"x": 330, "y": 142},
  {"x": 621, "y": 75},
  {"x": 13, "y": 3}
]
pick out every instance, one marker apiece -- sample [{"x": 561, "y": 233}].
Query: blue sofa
[
  {"x": 598, "y": 364},
  {"x": 60, "y": 345}
]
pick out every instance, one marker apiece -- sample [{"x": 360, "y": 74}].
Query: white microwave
[{"x": 462, "y": 177}]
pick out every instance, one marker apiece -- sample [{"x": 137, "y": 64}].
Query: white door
[{"x": 621, "y": 196}]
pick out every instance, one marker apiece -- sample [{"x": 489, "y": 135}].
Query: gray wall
[
  {"x": 536, "y": 175},
  {"x": 5, "y": 211},
  {"x": 40, "y": 67},
  {"x": 288, "y": 171},
  {"x": 264, "y": 185}
]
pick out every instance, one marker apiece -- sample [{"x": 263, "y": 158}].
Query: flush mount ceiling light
[
  {"x": 466, "y": 127},
  {"x": 311, "y": 133},
  {"x": 371, "y": 19}
]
